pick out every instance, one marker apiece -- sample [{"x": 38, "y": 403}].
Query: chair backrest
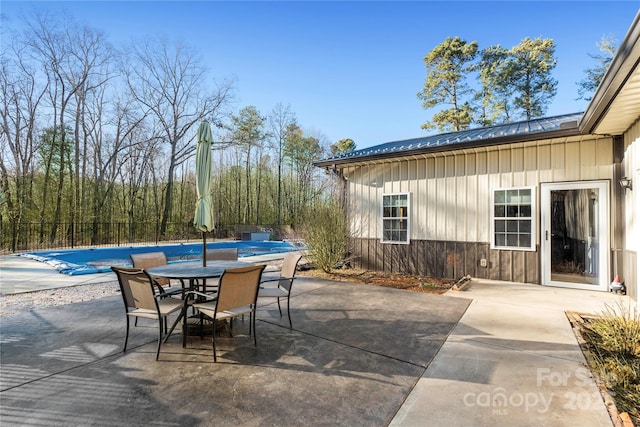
[
  {"x": 227, "y": 254},
  {"x": 238, "y": 287},
  {"x": 288, "y": 270},
  {"x": 136, "y": 288},
  {"x": 148, "y": 260}
]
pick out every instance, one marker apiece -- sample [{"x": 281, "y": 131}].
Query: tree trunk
[{"x": 167, "y": 201}]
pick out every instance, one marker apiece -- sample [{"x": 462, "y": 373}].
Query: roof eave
[
  {"x": 558, "y": 133},
  {"x": 614, "y": 79}
]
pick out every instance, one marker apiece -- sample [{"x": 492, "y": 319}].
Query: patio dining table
[{"x": 194, "y": 271}]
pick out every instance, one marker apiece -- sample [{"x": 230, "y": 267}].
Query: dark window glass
[
  {"x": 513, "y": 223},
  {"x": 394, "y": 214}
]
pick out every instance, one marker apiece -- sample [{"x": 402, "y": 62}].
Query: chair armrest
[
  {"x": 278, "y": 280},
  {"x": 271, "y": 280},
  {"x": 201, "y": 294},
  {"x": 164, "y": 294}
]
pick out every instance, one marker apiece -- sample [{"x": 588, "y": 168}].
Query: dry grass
[{"x": 614, "y": 340}]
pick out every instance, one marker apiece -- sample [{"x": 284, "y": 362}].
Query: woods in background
[{"x": 95, "y": 133}]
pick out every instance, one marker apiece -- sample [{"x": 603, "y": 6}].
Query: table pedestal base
[{"x": 193, "y": 327}]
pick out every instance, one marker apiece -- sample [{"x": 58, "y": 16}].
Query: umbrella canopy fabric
[{"x": 203, "y": 219}]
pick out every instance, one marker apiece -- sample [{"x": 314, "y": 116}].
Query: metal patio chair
[
  {"x": 284, "y": 282},
  {"x": 225, "y": 254},
  {"x": 140, "y": 300},
  {"x": 155, "y": 259},
  {"x": 237, "y": 296},
  {"x": 222, "y": 254}
]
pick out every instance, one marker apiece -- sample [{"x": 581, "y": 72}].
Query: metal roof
[{"x": 546, "y": 127}]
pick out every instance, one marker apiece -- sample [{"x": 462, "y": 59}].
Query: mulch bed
[{"x": 376, "y": 278}]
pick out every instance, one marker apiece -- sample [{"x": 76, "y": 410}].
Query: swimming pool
[{"x": 99, "y": 260}]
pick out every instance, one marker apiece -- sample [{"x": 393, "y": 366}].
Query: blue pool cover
[{"x": 99, "y": 260}]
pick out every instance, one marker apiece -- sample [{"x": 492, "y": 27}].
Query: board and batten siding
[
  {"x": 450, "y": 204},
  {"x": 630, "y": 269}
]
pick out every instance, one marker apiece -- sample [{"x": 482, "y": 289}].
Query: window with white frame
[
  {"x": 513, "y": 226},
  {"x": 395, "y": 218}
]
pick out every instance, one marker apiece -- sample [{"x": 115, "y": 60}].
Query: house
[{"x": 551, "y": 201}]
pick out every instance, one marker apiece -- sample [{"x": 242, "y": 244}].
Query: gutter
[{"x": 566, "y": 130}]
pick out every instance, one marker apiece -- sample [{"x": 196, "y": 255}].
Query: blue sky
[{"x": 351, "y": 69}]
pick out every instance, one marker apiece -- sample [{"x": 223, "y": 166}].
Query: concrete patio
[{"x": 357, "y": 355}]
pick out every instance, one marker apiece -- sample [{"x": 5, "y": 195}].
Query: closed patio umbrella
[{"x": 203, "y": 219}]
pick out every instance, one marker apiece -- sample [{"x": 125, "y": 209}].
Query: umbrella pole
[{"x": 204, "y": 249}]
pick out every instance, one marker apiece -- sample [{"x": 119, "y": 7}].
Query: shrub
[
  {"x": 614, "y": 338},
  {"x": 325, "y": 234}
]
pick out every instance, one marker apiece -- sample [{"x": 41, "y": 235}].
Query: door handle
[{"x": 546, "y": 235}]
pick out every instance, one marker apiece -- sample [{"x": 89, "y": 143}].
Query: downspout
[
  {"x": 618, "y": 243},
  {"x": 339, "y": 173}
]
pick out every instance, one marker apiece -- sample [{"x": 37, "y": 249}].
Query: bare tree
[
  {"x": 280, "y": 119},
  {"x": 110, "y": 149},
  {"x": 68, "y": 55},
  {"x": 136, "y": 169},
  {"x": 169, "y": 83},
  {"x": 22, "y": 91},
  {"x": 92, "y": 55},
  {"x": 300, "y": 151}
]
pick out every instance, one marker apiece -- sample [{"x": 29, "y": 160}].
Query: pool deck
[{"x": 19, "y": 274}]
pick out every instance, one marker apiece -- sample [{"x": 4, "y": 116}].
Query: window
[
  {"x": 395, "y": 218},
  {"x": 513, "y": 219}
]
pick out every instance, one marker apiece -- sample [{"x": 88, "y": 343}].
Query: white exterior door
[{"x": 575, "y": 234}]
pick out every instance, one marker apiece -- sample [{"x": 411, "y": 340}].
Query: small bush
[
  {"x": 325, "y": 234},
  {"x": 618, "y": 331},
  {"x": 614, "y": 338}
]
